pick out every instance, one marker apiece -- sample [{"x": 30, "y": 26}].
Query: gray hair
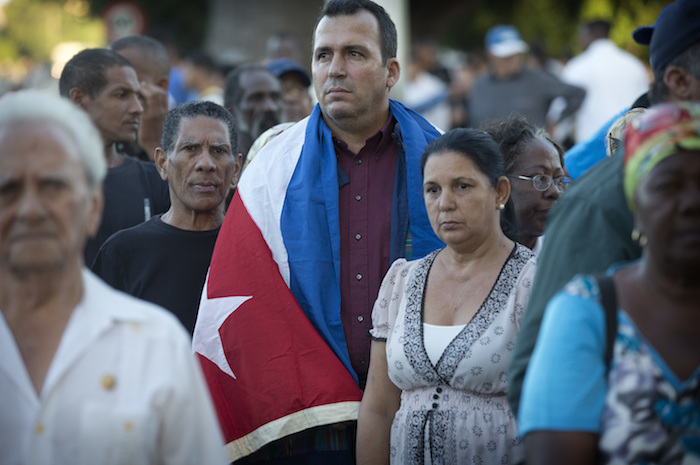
[
  {"x": 188, "y": 110},
  {"x": 47, "y": 107},
  {"x": 614, "y": 141},
  {"x": 688, "y": 59},
  {"x": 514, "y": 134}
]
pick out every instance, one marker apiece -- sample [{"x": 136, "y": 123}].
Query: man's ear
[
  {"x": 163, "y": 82},
  {"x": 394, "y": 69},
  {"x": 237, "y": 169},
  {"x": 78, "y": 97},
  {"x": 679, "y": 82},
  {"x": 95, "y": 205},
  {"x": 160, "y": 158}
]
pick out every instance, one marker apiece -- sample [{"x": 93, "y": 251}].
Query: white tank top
[{"x": 437, "y": 338}]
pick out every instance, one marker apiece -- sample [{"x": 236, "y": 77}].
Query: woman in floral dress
[{"x": 444, "y": 326}]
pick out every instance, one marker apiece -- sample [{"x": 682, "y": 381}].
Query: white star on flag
[{"x": 207, "y": 340}]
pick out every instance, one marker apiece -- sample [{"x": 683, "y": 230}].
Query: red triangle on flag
[{"x": 287, "y": 379}]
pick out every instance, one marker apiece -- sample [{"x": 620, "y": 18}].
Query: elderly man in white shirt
[{"x": 87, "y": 374}]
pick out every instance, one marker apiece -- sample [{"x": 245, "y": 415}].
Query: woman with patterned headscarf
[{"x": 641, "y": 403}]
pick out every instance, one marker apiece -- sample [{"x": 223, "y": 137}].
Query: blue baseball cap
[
  {"x": 676, "y": 28},
  {"x": 282, "y": 66},
  {"x": 504, "y": 40}
]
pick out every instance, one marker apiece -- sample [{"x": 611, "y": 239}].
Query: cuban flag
[{"x": 269, "y": 334}]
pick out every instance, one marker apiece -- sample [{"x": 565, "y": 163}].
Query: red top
[{"x": 365, "y": 232}]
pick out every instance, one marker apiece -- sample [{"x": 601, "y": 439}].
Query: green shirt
[{"x": 588, "y": 229}]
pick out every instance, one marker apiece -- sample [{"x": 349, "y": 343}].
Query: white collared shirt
[
  {"x": 122, "y": 388},
  {"x": 613, "y": 79}
]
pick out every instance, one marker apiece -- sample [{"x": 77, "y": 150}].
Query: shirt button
[
  {"x": 39, "y": 428},
  {"x": 436, "y": 397},
  {"x": 358, "y": 161},
  {"x": 439, "y": 390},
  {"x": 358, "y": 197},
  {"x": 363, "y": 361},
  {"x": 435, "y": 405},
  {"x": 358, "y": 276},
  {"x": 108, "y": 382},
  {"x": 360, "y": 318},
  {"x": 358, "y": 236}
]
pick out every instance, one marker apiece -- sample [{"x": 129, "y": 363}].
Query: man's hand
[{"x": 155, "y": 108}]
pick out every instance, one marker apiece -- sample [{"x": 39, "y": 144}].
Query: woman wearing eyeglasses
[
  {"x": 633, "y": 398},
  {"x": 535, "y": 168}
]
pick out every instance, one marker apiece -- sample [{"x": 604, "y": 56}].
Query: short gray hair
[
  {"x": 47, "y": 107},
  {"x": 192, "y": 109}
]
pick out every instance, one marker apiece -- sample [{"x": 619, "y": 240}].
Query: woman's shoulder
[
  {"x": 584, "y": 286},
  {"x": 404, "y": 266},
  {"x": 522, "y": 254},
  {"x": 521, "y": 263}
]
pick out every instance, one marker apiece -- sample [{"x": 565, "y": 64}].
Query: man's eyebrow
[
  {"x": 355, "y": 47},
  {"x": 220, "y": 144},
  {"x": 543, "y": 167},
  {"x": 198, "y": 142},
  {"x": 126, "y": 88}
]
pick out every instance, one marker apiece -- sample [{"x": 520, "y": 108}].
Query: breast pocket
[{"x": 116, "y": 435}]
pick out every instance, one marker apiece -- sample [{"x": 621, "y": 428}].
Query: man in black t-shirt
[
  {"x": 105, "y": 85},
  {"x": 165, "y": 260}
]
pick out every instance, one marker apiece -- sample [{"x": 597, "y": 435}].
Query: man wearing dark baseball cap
[
  {"x": 674, "y": 51},
  {"x": 295, "y": 82},
  {"x": 590, "y": 227}
]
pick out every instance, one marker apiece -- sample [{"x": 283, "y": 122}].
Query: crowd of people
[{"x": 248, "y": 277}]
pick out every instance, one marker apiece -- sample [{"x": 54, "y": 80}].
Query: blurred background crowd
[{"x": 442, "y": 44}]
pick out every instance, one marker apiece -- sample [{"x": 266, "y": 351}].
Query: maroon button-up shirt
[{"x": 365, "y": 232}]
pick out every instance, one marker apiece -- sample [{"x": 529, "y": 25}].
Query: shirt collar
[{"x": 381, "y": 139}]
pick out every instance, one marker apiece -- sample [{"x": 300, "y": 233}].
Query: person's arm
[
  {"x": 189, "y": 426},
  {"x": 561, "y": 448},
  {"x": 566, "y": 383},
  {"x": 379, "y": 405},
  {"x": 573, "y": 95},
  {"x": 155, "y": 109},
  {"x": 108, "y": 263}
]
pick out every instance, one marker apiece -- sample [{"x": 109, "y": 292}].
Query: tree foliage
[
  {"x": 34, "y": 27},
  {"x": 463, "y": 24}
]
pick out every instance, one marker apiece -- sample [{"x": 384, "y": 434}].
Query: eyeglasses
[{"x": 542, "y": 182}]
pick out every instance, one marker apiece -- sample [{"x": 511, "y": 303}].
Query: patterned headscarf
[{"x": 656, "y": 134}]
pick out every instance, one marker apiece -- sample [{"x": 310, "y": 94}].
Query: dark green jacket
[{"x": 588, "y": 229}]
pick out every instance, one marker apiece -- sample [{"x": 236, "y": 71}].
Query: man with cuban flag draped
[{"x": 319, "y": 216}]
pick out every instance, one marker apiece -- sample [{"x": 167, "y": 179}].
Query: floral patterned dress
[
  {"x": 642, "y": 412},
  {"x": 455, "y": 411}
]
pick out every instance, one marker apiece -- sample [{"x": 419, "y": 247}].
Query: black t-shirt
[
  {"x": 159, "y": 263},
  {"x": 133, "y": 192}
]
